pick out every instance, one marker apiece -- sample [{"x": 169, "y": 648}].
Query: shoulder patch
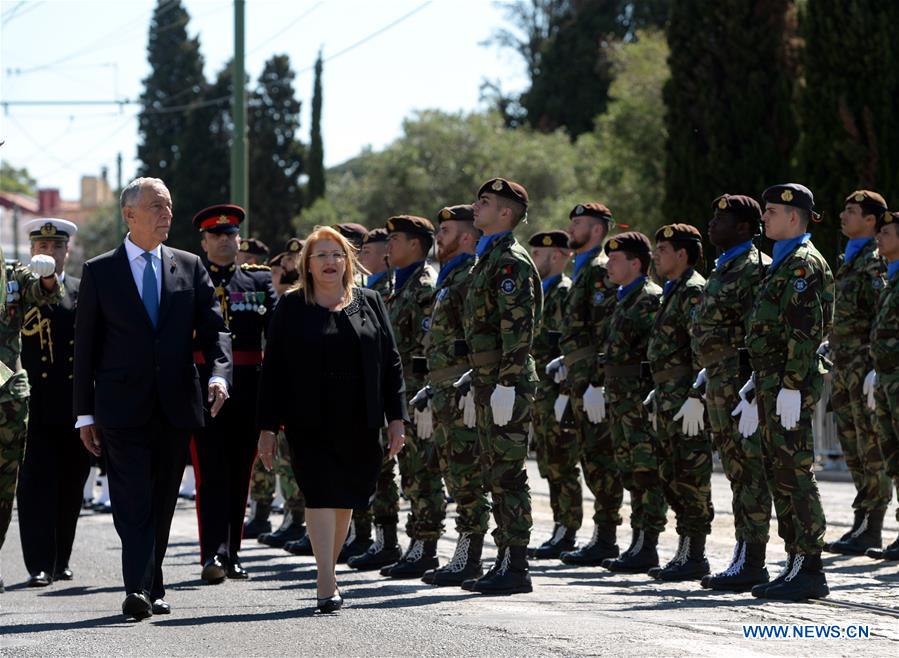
[
  {"x": 508, "y": 286},
  {"x": 598, "y": 297},
  {"x": 877, "y": 283},
  {"x": 426, "y": 324},
  {"x": 799, "y": 285}
]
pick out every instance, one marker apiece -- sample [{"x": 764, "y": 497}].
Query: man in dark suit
[
  {"x": 55, "y": 465},
  {"x": 137, "y": 393}
]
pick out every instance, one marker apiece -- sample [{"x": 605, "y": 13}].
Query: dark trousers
[
  {"x": 51, "y": 482},
  {"x": 144, "y": 466}
]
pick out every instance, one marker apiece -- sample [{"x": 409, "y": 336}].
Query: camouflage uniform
[
  {"x": 790, "y": 316},
  {"x": 685, "y": 462},
  {"x": 23, "y": 290},
  {"x": 857, "y": 288},
  {"x": 262, "y": 483},
  {"x": 502, "y": 312},
  {"x": 557, "y": 447},
  {"x": 719, "y": 330}
]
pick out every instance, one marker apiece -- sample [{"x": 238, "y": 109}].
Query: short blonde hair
[{"x": 306, "y": 284}]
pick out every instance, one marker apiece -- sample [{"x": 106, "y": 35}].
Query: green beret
[
  {"x": 410, "y": 224},
  {"x": 505, "y": 188},
  {"x": 632, "y": 241},
  {"x": 463, "y": 213},
  {"x": 790, "y": 194},
  {"x": 549, "y": 239}
]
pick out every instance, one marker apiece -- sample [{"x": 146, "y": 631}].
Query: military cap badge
[
  {"x": 294, "y": 246},
  {"x": 579, "y": 210},
  {"x": 722, "y": 203},
  {"x": 244, "y": 246},
  {"x": 389, "y": 224},
  {"x": 668, "y": 232},
  {"x": 48, "y": 229},
  {"x": 223, "y": 219},
  {"x": 859, "y": 197},
  {"x": 613, "y": 244},
  {"x": 786, "y": 195},
  {"x": 445, "y": 213},
  {"x": 888, "y": 218},
  {"x": 547, "y": 241},
  {"x": 497, "y": 185}
]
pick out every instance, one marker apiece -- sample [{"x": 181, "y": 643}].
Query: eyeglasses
[{"x": 323, "y": 256}]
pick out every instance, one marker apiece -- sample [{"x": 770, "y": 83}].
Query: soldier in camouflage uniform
[
  {"x": 684, "y": 449},
  {"x": 502, "y": 314},
  {"x": 719, "y": 331},
  {"x": 858, "y": 282},
  {"x": 882, "y": 383},
  {"x": 447, "y": 360},
  {"x": 627, "y": 383},
  {"x": 556, "y": 446},
  {"x": 791, "y": 315},
  {"x": 36, "y": 285}
]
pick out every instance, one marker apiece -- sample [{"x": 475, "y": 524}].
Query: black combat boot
[
  {"x": 745, "y": 571},
  {"x": 601, "y": 547},
  {"x": 465, "y": 565},
  {"x": 858, "y": 517},
  {"x": 508, "y": 576},
  {"x": 419, "y": 558},
  {"x": 891, "y": 552},
  {"x": 640, "y": 557},
  {"x": 289, "y": 530},
  {"x": 758, "y": 591},
  {"x": 258, "y": 522},
  {"x": 805, "y": 580},
  {"x": 355, "y": 544},
  {"x": 383, "y": 552},
  {"x": 302, "y": 546},
  {"x": 867, "y": 535},
  {"x": 688, "y": 563},
  {"x": 561, "y": 541}
]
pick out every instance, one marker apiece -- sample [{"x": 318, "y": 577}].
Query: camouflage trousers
[
  {"x": 262, "y": 482},
  {"x": 597, "y": 455},
  {"x": 741, "y": 458},
  {"x": 855, "y": 428},
  {"x": 13, "y": 430},
  {"x": 558, "y": 454},
  {"x": 685, "y": 462},
  {"x": 459, "y": 457},
  {"x": 385, "y": 503},
  {"x": 503, "y": 454},
  {"x": 636, "y": 454},
  {"x": 789, "y": 458},
  {"x": 887, "y": 422}
]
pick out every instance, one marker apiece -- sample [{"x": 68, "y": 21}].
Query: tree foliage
[
  {"x": 16, "y": 180},
  {"x": 316, "y": 165}
]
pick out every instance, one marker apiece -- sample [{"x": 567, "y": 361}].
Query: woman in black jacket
[{"x": 331, "y": 375}]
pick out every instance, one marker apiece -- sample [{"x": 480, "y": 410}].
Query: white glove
[
  {"x": 559, "y": 407},
  {"x": 463, "y": 380},
  {"x": 649, "y": 403},
  {"x": 466, "y": 406},
  {"x": 823, "y": 348},
  {"x": 502, "y": 401},
  {"x": 789, "y": 404},
  {"x": 424, "y": 423},
  {"x": 595, "y": 403},
  {"x": 558, "y": 369},
  {"x": 42, "y": 265},
  {"x": 700, "y": 379},
  {"x": 748, "y": 386},
  {"x": 749, "y": 417},
  {"x": 692, "y": 413},
  {"x": 868, "y": 389}
]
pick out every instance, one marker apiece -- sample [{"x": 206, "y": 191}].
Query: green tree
[
  {"x": 316, "y": 165},
  {"x": 16, "y": 180},
  {"x": 847, "y": 106}
]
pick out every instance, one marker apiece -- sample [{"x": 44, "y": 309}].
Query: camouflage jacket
[
  {"x": 885, "y": 333},
  {"x": 384, "y": 285},
  {"x": 503, "y": 311},
  {"x": 791, "y": 314},
  {"x": 857, "y": 287},
  {"x": 409, "y": 308},
  {"x": 23, "y": 291},
  {"x": 719, "y": 324},
  {"x": 629, "y": 329},
  {"x": 669, "y": 343},
  {"x": 588, "y": 309},
  {"x": 545, "y": 346},
  {"x": 445, "y": 340}
]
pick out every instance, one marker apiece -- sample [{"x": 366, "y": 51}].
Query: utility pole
[{"x": 240, "y": 182}]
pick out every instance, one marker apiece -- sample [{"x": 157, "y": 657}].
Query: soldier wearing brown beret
[{"x": 252, "y": 251}]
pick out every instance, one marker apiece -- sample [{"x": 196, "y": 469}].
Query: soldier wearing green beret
[
  {"x": 790, "y": 316},
  {"x": 627, "y": 382},
  {"x": 858, "y": 283},
  {"x": 373, "y": 257}
]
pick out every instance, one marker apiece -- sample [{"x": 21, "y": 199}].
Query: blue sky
[{"x": 96, "y": 50}]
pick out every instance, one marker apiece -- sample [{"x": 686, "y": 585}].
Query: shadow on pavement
[{"x": 109, "y": 620}]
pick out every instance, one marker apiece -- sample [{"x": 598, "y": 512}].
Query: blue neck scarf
[
  {"x": 582, "y": 259},
  {"x": 783, "y": 248},
  {"x": 487, "y": 240},
  {"x": 452, "y": 264},
  {"x": 624, "y": 290},
  {"x": 853, "y": 247},
  {"x": 374, "y": 278},
  {"x": 892, "y": 270},
  {"x": 729, "y": 254},
  {"x": 547, "y": 283},
  {"x": 668, "y": 286},
  {"x": 403, "y": 273}
]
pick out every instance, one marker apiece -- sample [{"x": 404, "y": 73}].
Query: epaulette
[{"x": 255, "y": 268}]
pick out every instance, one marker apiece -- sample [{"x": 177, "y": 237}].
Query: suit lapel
[{"x": 169, "y": 276}]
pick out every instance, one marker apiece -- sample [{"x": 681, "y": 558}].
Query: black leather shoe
[
  {"x": 465, "y": 565},
  {"x": 420, "y": 557},
  {"x": 137, "y": 606},
  {"x": 601, "y": 547},
  {"x": 865, "y": 535},
  {"x": 561, "y": 541},
  {"x": 299, "y": 547},
  {"x": 806, "y": 580},
  {"x": 63, "y": 574},
  {"x": 640, "y": 557},
  {"x": 161, "y": 607},
  {"x": 290, "y": 530},
  {"x": 236, "y": 570},
  {"x": 758, "y": 591},
  {"x": 39, "y": 579},
  {"x": 891, "y": 552},
  {"x": 215, "y": 569},
  {"x": 355, "y": 544},
  {"x": 330, "y": 604},
  {"x": 258, "y": 522},
  {"x": 385, "y": 551},
  {"x": 688, "y": 563},
  {"x": 745, "y": 571},
  {"x": 509, "y": 574}
]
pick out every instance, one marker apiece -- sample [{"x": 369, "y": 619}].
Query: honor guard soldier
[
  {"x": 719, "y": 334},
  {"x": 252, "y": 252},
  {"x": 225, "y": 449},
  {"x": 437, "y": 409},
  {"x": 373, "y": 257},
  {"x": 55, "y": 465},
  {"x": 501, "y": 315},
  {"x": 557, "y": 448},
  {"x": 26, "y": 288},
  {"x": 355, "y": 235},
  {"x": 790, "y": 317},
  {"x": 684, "y": 449},
  {"x": 882, "y": 383},
  {"x": 858, "y": 283},
  {"x": 579, "y": 372},
  {"x": 627, "y": 381}
]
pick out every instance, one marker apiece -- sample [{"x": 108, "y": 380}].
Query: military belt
[
  {"x": 445, "y": 374},
  {"x": 484, "y": 359},
  {"x": 238, "y": 358},
  {"x": 579, "y": 355},
  {"x": 717, "y": 356},
  {"x": 671, "y": 374},
  {"x": 628, "y": 370}
]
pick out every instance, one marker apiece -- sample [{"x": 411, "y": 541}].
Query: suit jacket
[
  {"x": 290, "y": 389},
  {"x": 48, "y": 349},
  {"x": 123, "y": 365}
]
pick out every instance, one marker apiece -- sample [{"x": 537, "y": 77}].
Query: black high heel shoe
[{"x": 331, "y": 603}]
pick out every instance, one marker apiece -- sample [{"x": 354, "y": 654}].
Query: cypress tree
[{"x": 316, "y": 165}]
